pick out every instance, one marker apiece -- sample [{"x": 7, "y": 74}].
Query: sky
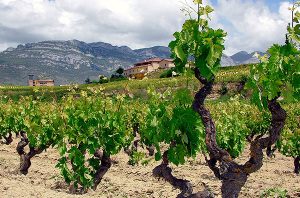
[{"x": 252, "y": 25}]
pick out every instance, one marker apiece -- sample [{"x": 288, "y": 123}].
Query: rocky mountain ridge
[{"x": 73, "y": 61}]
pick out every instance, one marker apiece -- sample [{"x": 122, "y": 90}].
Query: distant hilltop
[{"x": 73, "y": 61}]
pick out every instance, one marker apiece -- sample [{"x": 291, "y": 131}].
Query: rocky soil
[{"x": 123, "y": 180}]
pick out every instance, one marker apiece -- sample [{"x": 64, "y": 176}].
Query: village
[{"x": 137, "y": 71}]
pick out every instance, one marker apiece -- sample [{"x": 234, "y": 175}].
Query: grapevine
[{"x": 281, "y": 69}]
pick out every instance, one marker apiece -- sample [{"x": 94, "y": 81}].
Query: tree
[
  {"x": 88, "y": 81},
  {"x": 103, "y": 79},
  {"x": 118, "y": 75},
  {"x": 120, "y": 71}
]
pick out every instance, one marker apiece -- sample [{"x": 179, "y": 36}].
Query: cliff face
[
  {"x": 73, "y": 61},
  {"x": 69, "y": 61}
]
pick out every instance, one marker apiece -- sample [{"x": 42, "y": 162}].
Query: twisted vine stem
[{"x": 232, "y": 174}]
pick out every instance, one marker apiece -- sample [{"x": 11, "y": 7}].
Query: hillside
[
  {"x": 229, "y": 77},
  {"x": 73, "y": 61},
  {"x": 69, "y": 61},
  {"x": 242, "y": 57}
]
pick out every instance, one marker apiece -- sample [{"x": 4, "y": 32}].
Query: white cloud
[
  {"x": 136, "y": 23},
  {"x": 251, "y": 25}
]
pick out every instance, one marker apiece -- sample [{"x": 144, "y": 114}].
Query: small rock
[{"x": 149, "y": 191}]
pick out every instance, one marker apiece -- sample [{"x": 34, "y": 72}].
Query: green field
[{"x": 234, "y": 74}]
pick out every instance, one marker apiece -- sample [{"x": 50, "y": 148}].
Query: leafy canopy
[
  {"x": 278, "y": 73},
  {"x": 294, "y": 31},
  {"x": 198, "y": 42}
]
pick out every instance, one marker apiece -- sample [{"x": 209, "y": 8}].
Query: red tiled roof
[
  {"x": 128, "y": 69},
  {"x": 134, "y": 67},
  {"x": 148, "y": 61},
  {"x": 154, "y": 60},
  {"x": 45, "y": 80}
]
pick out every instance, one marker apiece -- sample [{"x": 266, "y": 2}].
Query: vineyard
[
  {"x": 227, "y": 76},
  {"x": 175, "y": 141},
  {"x": 77, "y": 127}
]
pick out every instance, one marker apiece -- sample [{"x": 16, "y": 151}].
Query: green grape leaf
[{"x": 180, "y": 53}]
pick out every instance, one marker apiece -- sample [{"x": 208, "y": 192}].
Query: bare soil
[{"x": 123, "y": 180}]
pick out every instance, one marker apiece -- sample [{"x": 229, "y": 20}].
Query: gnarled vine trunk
[
  {"x": 25, "y": 158},
  {"x": 164, "y": 171},
  {"x": 297, "y": 164},
  {"x": 136, "y": 141},
  {"x": 134, "y": 144},
  {"x": 270, "y": 151},
  {"x": 151, "y": 150},
  {"x": 104, "y": 166},
  {"x": 8, "y": 139},
  {"x": 233, "y": 175}
]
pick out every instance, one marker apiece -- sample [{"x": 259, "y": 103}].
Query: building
[
  {"x": 39, "y": 83},
  {"x": 139, "y": 70}
]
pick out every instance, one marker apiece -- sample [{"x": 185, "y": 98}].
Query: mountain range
[{"x": 73, "y": 61}]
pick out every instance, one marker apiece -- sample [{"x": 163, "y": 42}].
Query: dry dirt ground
[{"x": 123, "y": 180}]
